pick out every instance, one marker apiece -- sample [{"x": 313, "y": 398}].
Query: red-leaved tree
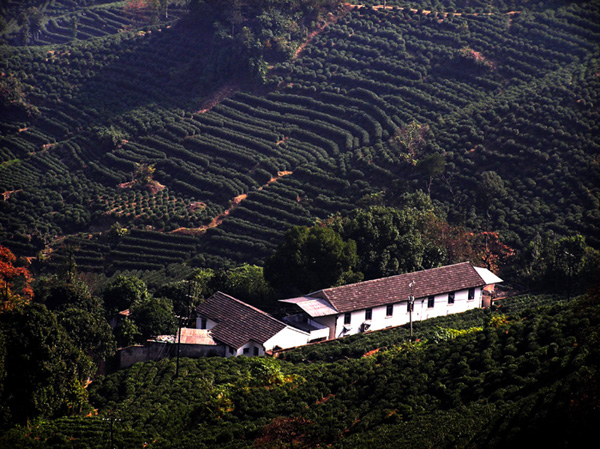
[{"x": 15, "y": 282}]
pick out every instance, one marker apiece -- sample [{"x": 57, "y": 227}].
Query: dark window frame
[
  {"x": 368, "y": 314},
  {"x": 471, "y": 294},
  {"x": 348, "y": 318},
  {"x": 451, "y": 297},
  {"x": 389, "y": 310},
  {"x": 431, "y": 302}
]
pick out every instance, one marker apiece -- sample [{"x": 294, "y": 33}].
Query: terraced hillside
[{"x": 119, "y": 127}]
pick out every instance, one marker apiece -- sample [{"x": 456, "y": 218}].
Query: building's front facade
[{"x": 382, "y": 303}]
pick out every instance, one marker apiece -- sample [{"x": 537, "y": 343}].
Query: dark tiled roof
[
  {"x": 238, "y": 322},
  {"x": 394, "y": 289}
]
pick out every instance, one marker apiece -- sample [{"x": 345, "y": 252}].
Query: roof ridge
[
  {"x": 324, "y": 290},
  {"x": 256, "y": 309}
]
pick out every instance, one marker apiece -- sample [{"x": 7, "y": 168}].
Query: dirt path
[
  {"x": 331, "y": 19},
  {"x": 218, "y": 96},
  {"x": 6, "y": 195},
  {"x": 351, "y": 6},
  {"x": 232, "y": 205}
]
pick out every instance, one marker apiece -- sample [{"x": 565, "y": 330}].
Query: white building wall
[
  {"x": 209, "y": 323},
  {"x": 289, "y": 337},
  {"x": 401, "y": 315},
  {"x": 251, "y": 349}
]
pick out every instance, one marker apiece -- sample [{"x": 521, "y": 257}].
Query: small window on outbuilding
[
  {"x": 408, "y": 307},
  {"x": 246, "y": 351},
  {"x": 203, "y": 323},
  {"x": 389, "y": 310},
  {"x": 368, "y": 314},
  {"x": 255, "y": 350},
  {"x": 451, "y": 298},
  {"x": 431, "y": 302},
  {"x": 471, "y": 293},
  {"x": 347, "y": 318}
]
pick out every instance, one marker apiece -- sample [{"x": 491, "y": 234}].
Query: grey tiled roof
[
  {"x": 238, "y": 322},
  {"x": 394, "y": 289}
]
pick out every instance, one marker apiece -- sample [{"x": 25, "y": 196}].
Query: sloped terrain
[{"x": 354, "y": 116}]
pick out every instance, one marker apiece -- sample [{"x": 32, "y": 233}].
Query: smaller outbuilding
[{"x": 244, "y": 329}]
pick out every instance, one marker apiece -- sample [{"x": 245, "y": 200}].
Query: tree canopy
[
  {"x": 15, "y": 282},
  {"x": 310, "y": 259},
  {"x": 123, "y": 292},
  {"x": 44, "y": 372}
]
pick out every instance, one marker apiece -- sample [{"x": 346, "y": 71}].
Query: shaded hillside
[{"x": 368, "y": 106}]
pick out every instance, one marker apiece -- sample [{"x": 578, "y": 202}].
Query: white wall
[
  {"x": 209, "y": 323},
  {"x": 401, "y": 315},
  {"x": 289, "y": 337}
]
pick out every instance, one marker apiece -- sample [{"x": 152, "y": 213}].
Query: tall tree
[
  {"x": 432, "y": 166},
  {"x": 123, "y": 292},
  {"x": 15, "y": 282},
  {"x": 489, "y": 188},
  {"x": 154, "y": 317},
  {"x": 89, "y": 331},
  {"x": 44, "y": 371},
  {"x": 310, "y": 259},
  {"x": 387, "y": 240}
]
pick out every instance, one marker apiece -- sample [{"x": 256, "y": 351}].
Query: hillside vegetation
[
  {"x": 526, "y": 374},
  {"x": 209, "y": 141}
]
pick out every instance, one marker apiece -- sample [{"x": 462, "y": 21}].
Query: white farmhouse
[
  {"x": 244, "y": 329},
  {"x": 380, "y": 303}
]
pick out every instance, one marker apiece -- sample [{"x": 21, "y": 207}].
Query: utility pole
[
  {"x": 411, "y": 304},
  {"x": 178, "y": 347},
  {"x": 570, "y": 258},
  {"x": 111, "y": 420},
  {"x": 180, "y": 319}
]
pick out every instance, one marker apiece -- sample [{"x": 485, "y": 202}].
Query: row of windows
[{"x": 389, "y": 310}]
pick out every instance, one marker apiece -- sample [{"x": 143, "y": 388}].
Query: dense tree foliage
[
  {"x": 388, "y": 241},
  {"x": 43, "y": 371},
  {"x": 310, "y": 259},
  {"x": 15, "y": 288},
  {"x": 249, "y": 33},
  {"x": 124, "y": 292},
  {"x": 153, "y": 317}
]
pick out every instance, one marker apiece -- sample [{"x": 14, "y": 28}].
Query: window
[
  {"x": 389, "y": 310},
  {"x": 246, "y": 350},
  {"x": 471, "y": 293},
  {"x": 255, "y": 351},
  {"x": 347, "y": 318},
  {"x": 368, "y": 314},
  {"x": 202, "y": 323},
  {"x": 408, "y": 307},
  {"x": 451, "y": 298},
  {"x": 231, "y": 350},
  {"x": 431, "y": 301}
]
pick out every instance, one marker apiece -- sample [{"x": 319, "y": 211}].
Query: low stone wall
[{"x": 155, "y": 350}]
